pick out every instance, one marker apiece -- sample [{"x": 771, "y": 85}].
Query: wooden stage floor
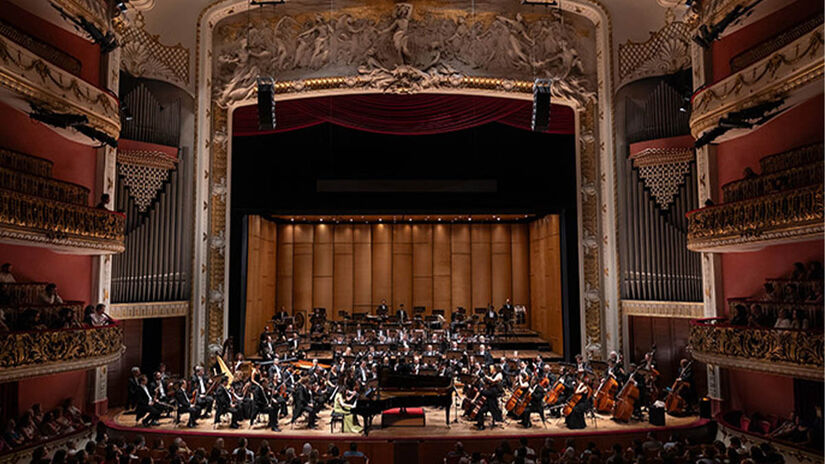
[{"x": 435, "y": 428}]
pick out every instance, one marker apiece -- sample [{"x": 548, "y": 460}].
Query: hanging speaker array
[
  {"x": 266, "y": 103},
  {"x": 541, "y": 104}
]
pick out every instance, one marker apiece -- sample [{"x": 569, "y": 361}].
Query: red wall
[
  {"x": 755, "y": 392},
  {"x": 80, "y": 48},
  {"x": 73, "y": 162},
  {"x": 801, "y": 125},
  {"x": 71, "y": 273},
  {"x": 729, "y": 46},
  {"x": 50, "y": 391}
]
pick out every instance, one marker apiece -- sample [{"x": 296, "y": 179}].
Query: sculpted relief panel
[{"x": 405, "y": 48}]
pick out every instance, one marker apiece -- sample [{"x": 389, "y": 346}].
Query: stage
[{"x": 435, "y": 428}]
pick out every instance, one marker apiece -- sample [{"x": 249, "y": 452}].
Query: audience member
[
  {"x": 49, "y": 295},
  {"x": 6, "y": 276}
]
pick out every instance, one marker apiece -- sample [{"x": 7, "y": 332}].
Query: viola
[{"x": 606, "y": 394}]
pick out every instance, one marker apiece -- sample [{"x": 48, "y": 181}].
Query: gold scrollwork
[
  {"x": 785, "y": 352},
  {"x": 27, "y": 217},
  {"x": 780, "y": 217},
  {"x": 26, "y": 349}
]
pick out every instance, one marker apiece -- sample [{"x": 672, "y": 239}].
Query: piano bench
[
  {"x": 336, "y": 417},
  {"x": 410, "y": 417}
]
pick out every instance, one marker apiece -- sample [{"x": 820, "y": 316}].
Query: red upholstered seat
[{"x": 409, "y": 412}]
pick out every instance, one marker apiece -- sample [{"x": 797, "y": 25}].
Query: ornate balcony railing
[
  {"x": 44, "y": 187},
  {"x": 811, "y": 310},
  {"x": 25, "y": 163},
  {"x": 32, "y": 80},
  {"x": 766, "y": 184},
  {"x": 793, "y": 74},
  {"x": 784, "y": 217},
  {"x": 797, "y": 353},
  {"x": 34, "y": 221},
  {"x": 50, "y": 314},
  {"x": 31, "y": 354}
]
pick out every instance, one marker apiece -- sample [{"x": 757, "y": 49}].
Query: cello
[
  {"x": 626, "y": 399},
  {"x": 552, "y": 396},
  {"x": 606, "y": 394},
  {"x": 583, "y": 391}
]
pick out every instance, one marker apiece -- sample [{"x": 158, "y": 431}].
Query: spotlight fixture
[
  {"x": 107, "y": 41},
  {"x": 266, "y": 103},
  {"x": 541, "y": 104},
  {"x": 78, "y": 122}
]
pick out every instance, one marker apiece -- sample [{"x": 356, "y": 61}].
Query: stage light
[
  {"x": 292, "y": 220},
  {"x": 541, "y": 104},
  {"x": 266, "y": 103}
]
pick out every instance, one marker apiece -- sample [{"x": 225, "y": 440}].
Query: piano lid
[{"x": 389, "y": 380}]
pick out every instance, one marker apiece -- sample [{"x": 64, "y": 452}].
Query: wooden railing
[
  {"x": 39, "y": 222},
  {"x": 783, "y": 217},
  {"x": 44, "y": 187},
  {"x": 789, "y": 352},
  {"x": 43, "y": 352}
]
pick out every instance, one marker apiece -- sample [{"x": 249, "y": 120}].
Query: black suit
[
  {"x": 132, "y": 391},
  {"x": 185, "y": 406},
  {"x": 302, "y": 403},
  {"x": 261, "y": 405},
  {"x": 223, "y": 405},
  {"x": 203, "y": 402},
  {"x": 146, "y": 406}
]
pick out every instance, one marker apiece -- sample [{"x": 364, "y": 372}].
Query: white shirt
[
  {"x": 99, "y": 319},
  {"x": 7, "y": 278}
]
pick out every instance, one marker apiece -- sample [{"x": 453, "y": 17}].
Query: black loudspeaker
[
  {"x": 266, "y": 103},
  {"x": 541, "y": 104},
  {"x": 657, "y": 415},
  {"x": 704, "y": 408}
]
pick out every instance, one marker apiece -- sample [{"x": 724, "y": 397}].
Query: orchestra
[{"x": 282, "y": 383}]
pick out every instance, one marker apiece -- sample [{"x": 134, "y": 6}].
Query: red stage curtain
[{"x": 401, "y": 114}]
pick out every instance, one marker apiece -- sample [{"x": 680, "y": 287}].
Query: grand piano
[{"x": 405, "y": 391}]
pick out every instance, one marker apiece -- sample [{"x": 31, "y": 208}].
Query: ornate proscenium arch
[{"x": 496, "y": 49}]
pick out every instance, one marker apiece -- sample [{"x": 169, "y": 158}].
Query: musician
[
  {"x": 576, "y": 420},
  {"x": 490, "y": 321},
  {"x": 343, "y": 407},
  {"x": 507, "y": 312},
  {"x": 484, "y": 355},
  {"x": 582, "y": 365},
  {"x": 199, "y": 385},
  {"x": 133, "y": 388},
  {"x": 491, "y": 393},
  {"x": 225, "y": 403},
  {"x": 262, "y": 404},
  {"x": 685, "y": 374},
  {"x": 382, "y": 309},
  {"x": 616, "y": 370},
  {"x": 185, "y": 405},
  {"x": 536, "y": 403},
  {"x": 146, "y": 406},
  {"x": 303, "y": 402},
  {"x": 157, "y": 386},
  {"x": 267, "y": 348},
  {"x": 402, "y": 314}
]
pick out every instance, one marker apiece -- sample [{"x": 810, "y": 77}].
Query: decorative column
[
  {"x": 706, "y": 183},
  {"x": 102, "y": 265}
]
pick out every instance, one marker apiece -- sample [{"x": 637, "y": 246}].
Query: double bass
[
  {"x": 606, "y": 394},
  {"x": 626, "y": 399},
  {"x": 675, "y": 403}
]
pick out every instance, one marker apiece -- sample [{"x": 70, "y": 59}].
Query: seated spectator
[
  {"x": 736, "y": 452},
  {"x": 740, "y": 316},
  {"x": 242, "y": 453},
  {"x": 3, "y": 326},
  {"x": 104, "y": 202},
  {"x": 615, "y": 457},
  {"x": 651, "y": 444},
  {"x": 11, "y": 435},
  {"x": 523, "y": 450},
  {"x": 66, "y": 319},
  {"x": 6, "y": 277},
  {"x": 799, "y": 271},
  {"x": 456, "y": 452},
  {"x": 815, "y": 271},
  {"x": 99, "y": 317},
  {"x": 31, "y": 320},
  {"x": 353, "y": 451},
  {"x": 798, "y": 320},
  {"x": 547, "y": 452},
  {"x": 759, "y": 318},
  {"x": 783, "y": 321},
  {"x": 27, "y": 427},
  {"x": 49, "y": 295},
  {"x": 87, "y": 314},
  {"x": 334, "y": 455}
]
